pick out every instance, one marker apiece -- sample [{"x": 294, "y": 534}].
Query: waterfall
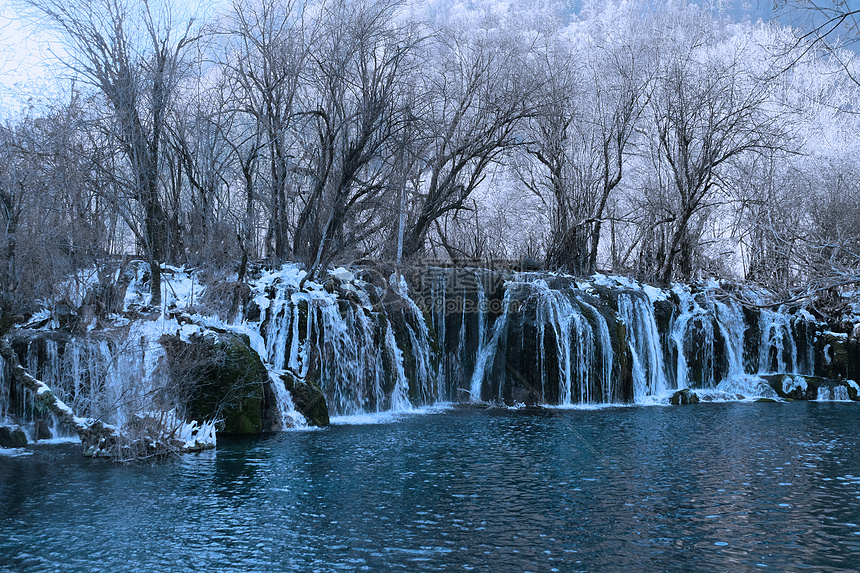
[
  {"x": 115, "y": 379},
  {"x": 400, "y": 394},
  {"x": 555, "y": 311},
  {"x": 374, "y": 343},
  {"x": 289, "y": 417},
  {"x": 832, "y": 394},
  {"x": 567, "y": 344},
  {"x": 643, "y": 339},
  {"x": 778, "y": 352},
  {"x": 487, "y": 351},
  {"x": 368, "y": 347},
  {"x": 730, "y": 319}
]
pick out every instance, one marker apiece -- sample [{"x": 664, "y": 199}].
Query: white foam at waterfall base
[
  {"x": 749, "y": 386},
  {"x": 15, "y": 452},
  {"x": 389, "y": 416},
  {"x": 589, "y": 406}
]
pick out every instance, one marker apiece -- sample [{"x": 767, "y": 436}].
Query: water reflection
[{"x": 712, "y": 487}]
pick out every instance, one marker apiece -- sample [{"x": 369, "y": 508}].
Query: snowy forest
[
  {"x": 660, "y": 141},
  {"x": 259, "y": 215}
]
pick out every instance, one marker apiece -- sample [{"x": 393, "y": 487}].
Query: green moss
[
  {"x": 218, "y": 376},
  {"x": 42, "y": 402},
  {"x": 308, "y": 398},
  {"x": 12, "y": 438}
]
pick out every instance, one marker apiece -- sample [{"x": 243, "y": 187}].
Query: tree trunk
[{"x": 9, "y": 273}]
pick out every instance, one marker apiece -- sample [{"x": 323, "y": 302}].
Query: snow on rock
[
  {"x": 180, "y": 288},
  {"x": 342, "y": 274},
  {"x": 749, "y": 386},
  {"x": 791, "y": 383}
]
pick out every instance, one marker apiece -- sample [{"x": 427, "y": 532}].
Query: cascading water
[
  {"x": 730, "y": 321},
  {"x": 460, "y": 335},
  {"x": 487, "y": 351},
  {"x": 366, "y": 357},
  {"x": 289, "y": 417},
  {"x": 116, "y": 379},
  {"x": 643, "y": 338},
  {"x": 693, "y": 335},
  {"x": 565, "y": 335},
  {"x": 778, "y": 350}
]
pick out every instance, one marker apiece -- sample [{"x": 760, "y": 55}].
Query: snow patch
[{"x": 791, "y": 383}]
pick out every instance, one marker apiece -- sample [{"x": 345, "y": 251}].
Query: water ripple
[{"x": 717, "y": 487}]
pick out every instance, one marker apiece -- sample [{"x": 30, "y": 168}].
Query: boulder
[
  {"x": 218, "y": 375},
  {"x": 684, "y": 396},
  {"x": 12, "y": 437},
  {"x": 308, "y": 399}
]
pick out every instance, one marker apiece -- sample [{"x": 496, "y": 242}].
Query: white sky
[{"x": 25, "y": 63}]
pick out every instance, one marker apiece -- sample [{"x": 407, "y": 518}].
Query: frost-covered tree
[
  {"x": 268, "y": 46},
  {"x": 594, "y": 86},
  {"x": 355, "y": 104},
  {"x": 708, "y": 108},
  {"x": 134, "y": 54},
  {"x": 473, "y": 93}
]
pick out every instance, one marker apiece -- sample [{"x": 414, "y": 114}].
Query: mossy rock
[
  {"x": 833, "y": 353},
  {"x": 308, "y": 398},
  {"x": 12, "y": 437},
  {"x": 218, "y": 375},
  {"x": 684, "y": 396}
]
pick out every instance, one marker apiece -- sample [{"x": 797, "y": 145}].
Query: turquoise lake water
[{"x": 709, "y": 487}]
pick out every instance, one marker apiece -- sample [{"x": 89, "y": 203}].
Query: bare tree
[
  {"x": 478, "y": 90},
  {"x": 823, "y": 20},
  {"x": 707, "y": 109},
  {"x": 269, "y": 45},
  {"x": 357, "y": 112},
  {"x": 132, "y": 54},
  {"x": 591, "y": 104},
  {"x": 13, "y": 177},
  {"x": 202, "y": 166}
]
